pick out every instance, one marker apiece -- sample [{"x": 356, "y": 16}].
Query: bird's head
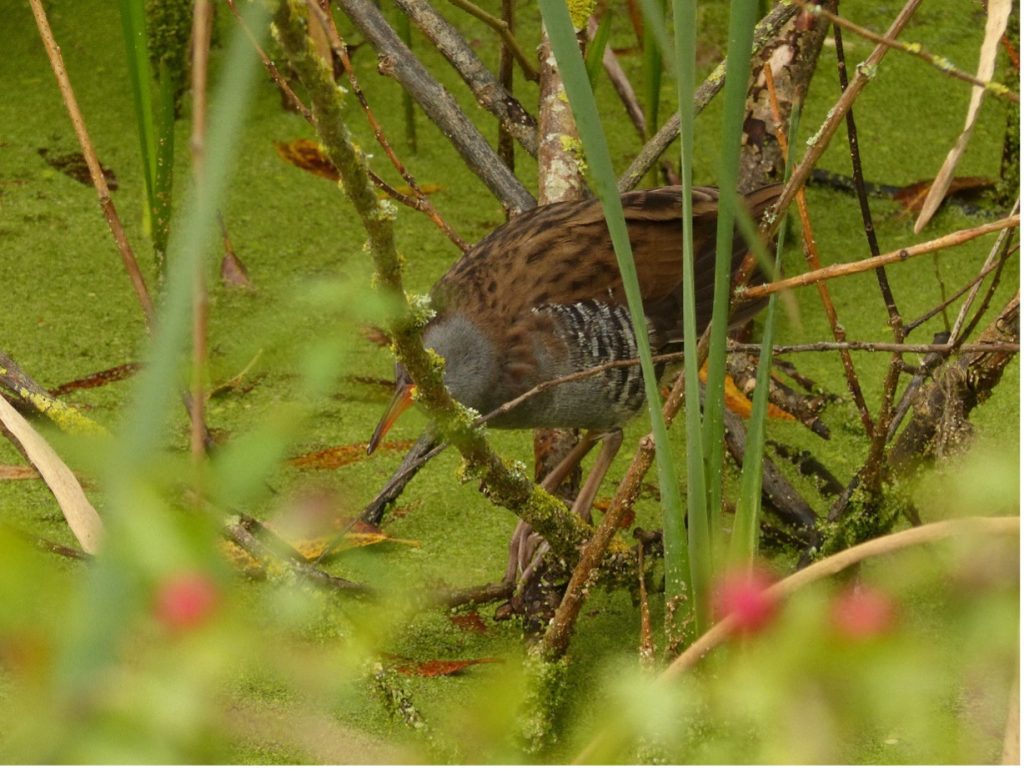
[{"x": 470, "y": 370}]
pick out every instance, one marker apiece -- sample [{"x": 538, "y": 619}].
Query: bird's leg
[
  {"x": 554, "y": 479},
  {"x": 609, "y": 448},
  {"x": 526, "y": 549},
  {"x": 516, "y": 546}
]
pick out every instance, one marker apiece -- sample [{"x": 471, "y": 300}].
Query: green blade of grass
[
  {"x": 140, "y": 75},
  {"x": 581, "y": 99},
  {"x": 700, "y": 539},
  {"x": 742, "y": 16},
  {"x": 595, "y": 50},
  {"x": 163, "y": 182},
  {"x": 652, "y": 70},
  {"x": 112, "y": 590},
  {"x": 746, "y": 524}
]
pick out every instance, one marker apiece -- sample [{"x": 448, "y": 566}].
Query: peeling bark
[{"x": 793, "y": 54}]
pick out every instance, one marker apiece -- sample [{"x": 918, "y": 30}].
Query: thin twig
[
  {"x": 779, "y": 349},
  {"x": 95, "y": 171},
  {"x": 871, "y": 472},
  {"x": 397, "y": 61},
  {"x": 493, "y": 94},
  {"x": 268, "y": 64},
  {"x": 422, "y": 201},
  {"x": 914, "y": 49},
  {"x": 530, "y": 72},
  {"x": 814, "y": 261},
  {"x": 620, "y": 82},
  {"x": 865, "y": 72},
  {"x": 1002, "y": 247},
  {"x": 967, "y": 330},
  {"x": 1001, "y": 242},
  {"x": 202, "y": 22},
  {"x": 852, "y": 268},
  {"x": 895, "y": 321}
]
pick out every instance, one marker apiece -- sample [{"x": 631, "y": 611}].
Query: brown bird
[{"x": 541, "y": 297}]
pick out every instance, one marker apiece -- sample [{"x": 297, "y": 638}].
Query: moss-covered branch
[
  {"x": 505, "y": 483},
  {"x": 31, "y": 393}
]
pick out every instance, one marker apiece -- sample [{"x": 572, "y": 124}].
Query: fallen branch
[
  {"x": 262, "y": 552},
  {"x": 944, "y": 403},
  {"x": 30, "y": 392}
]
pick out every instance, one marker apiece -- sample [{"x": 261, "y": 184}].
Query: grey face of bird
[
  {"x": 470, "y": 364},
  {"x": 469, "y": 368}
]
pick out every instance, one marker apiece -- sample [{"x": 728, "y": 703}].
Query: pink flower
[
  {"x": 742, "y": 594},
  {"x": 861, "y": 613},
  {"x": 185, "y": 600}
]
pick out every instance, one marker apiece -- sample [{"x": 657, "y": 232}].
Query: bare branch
[
  {"x": 396, "y": 60},
  {"x": 95, "y": 171},
  {"x": 914, "y": 49},
  {"x": 490, "y": 94},
  {"x": 499, "y": 26},
  {"x": 669, "y": 132}
]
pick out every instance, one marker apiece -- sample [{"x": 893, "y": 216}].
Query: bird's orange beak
[{"x": 399, "y": 403}]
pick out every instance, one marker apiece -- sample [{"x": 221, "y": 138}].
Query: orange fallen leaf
[
  {"x": 435, "y": 668},
  {"x": 339, "y": 456},
  {"x": 739, "y": 404},
  {"x": 17, "y": 473},
  {"x": 470, "y": 621},
  {"x": 307, "y": 155}
]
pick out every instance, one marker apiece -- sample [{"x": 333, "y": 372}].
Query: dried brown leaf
[
  {"x": 307, "y": 155},
  {"x": 99, "y": 379},
  {"x": 17, "y": 473},
  {"x": 340, "y": 456},
  {"x": 434, "y": 668},
  {"x": 471, "y": 622}
]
